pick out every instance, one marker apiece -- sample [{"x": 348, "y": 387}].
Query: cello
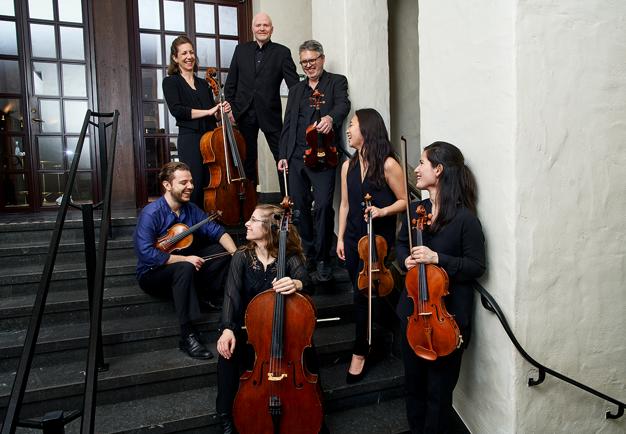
[
  {"x": 223, "y": 150},
  {"x": 321, "y": 153},
  {"x": 431, "y": 331},
  {"x": 374, "y": 278},
  {"x": 279, "y": 395}
]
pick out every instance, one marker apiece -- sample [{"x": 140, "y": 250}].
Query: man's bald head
[{"x": 262, "y": 27}]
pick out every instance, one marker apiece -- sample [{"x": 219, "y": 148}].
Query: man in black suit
[
  {"x": 252, "y": 87},
  {"x": 316, "y": 234}
]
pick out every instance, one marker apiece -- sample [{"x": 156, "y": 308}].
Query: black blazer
[
  {"x": 181, "y": 98},
  {"x": 245, "y": 86},
  {"x": 335, "y": 90}
]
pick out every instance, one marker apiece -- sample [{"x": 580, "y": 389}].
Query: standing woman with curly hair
[
  {"x": 453, "y": 241},
  {"x": 190, "y": 100},
  {"x": 372, "y": 169},
  {"x": 253, "y": 270}
]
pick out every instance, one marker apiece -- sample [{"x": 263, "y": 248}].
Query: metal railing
[
  {"x": 490, "y": 304},
  {"x": 54, "y": 422}
]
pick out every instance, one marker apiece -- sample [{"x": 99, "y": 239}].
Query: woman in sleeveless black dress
[{"x": 374, "y": 170}]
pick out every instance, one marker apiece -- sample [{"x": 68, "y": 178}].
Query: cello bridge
[
  {"x": 321, "y": 154},
  {"x": 272, "y": 377},
  {"x": 425, "y": 313}
]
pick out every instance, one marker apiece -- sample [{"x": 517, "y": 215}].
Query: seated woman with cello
[
  {"x": 453, "y": 240},
  {"x": 374, "y": 171},
  {"x": 253, "y": 270}
]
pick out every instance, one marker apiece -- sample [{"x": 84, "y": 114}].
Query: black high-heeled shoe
[{"x": 355, "y": 378}]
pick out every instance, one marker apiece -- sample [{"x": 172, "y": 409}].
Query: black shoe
[
  {"x": 226, "y": 421},
  {"x": 355, "y": 378},
  {"x": 194, "y": 348}
]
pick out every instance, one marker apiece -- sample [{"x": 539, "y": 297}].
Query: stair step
[
  {"x": 138, "y": 375},
  {"x": 194, "y": 410}
]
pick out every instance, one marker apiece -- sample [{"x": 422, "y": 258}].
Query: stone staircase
[{"x": 152, "y": 387}]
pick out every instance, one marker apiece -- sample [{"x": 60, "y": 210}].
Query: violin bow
[{"x": 405, "y": 162}]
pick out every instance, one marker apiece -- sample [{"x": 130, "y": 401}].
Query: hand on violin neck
[
  {"x": 375, "y": 212},
  {"x": 423, "y": 255},
  {"x": 324, "y": 125}
]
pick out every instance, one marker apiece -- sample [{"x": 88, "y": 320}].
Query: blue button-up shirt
[{"x": 154, "y": 221}]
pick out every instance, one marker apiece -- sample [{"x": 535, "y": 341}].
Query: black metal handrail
[
  {"x": 54, "y": 421},
  {"x": 490, "y": 304}
]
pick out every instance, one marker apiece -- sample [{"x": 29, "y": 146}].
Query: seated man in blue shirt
[{"x": 184, "y": 274}]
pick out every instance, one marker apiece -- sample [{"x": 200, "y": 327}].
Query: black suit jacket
[
  {"x": 181, "y": 98},
  {"x": 337, "y": 106},
  {"x": 246, "y": 86}
]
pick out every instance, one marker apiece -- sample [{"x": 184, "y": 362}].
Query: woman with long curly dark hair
[
  {"x": 454, "y": 241},
  {"x": 372, "y": 169},
  {"x": 253, "y": 270}
]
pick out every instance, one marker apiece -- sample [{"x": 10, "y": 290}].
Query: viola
[
  {"x": 180, "y": 236},
  {"x": 223, "y": 150},
  {"x": 321, "y": 153},
  {"x": 279, "y": 395},
  {"x": 431, "y": 331}
]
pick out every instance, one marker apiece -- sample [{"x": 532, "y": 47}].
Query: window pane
[
  {"x": 51, "y": 116},
  {"x": 153, "y": 117},
  {"x": 6, "y": 8},
  {"x": 205, "y": 18},
  {"x": 9, "y": 76},
  {"x": 52, "y": 186},
  {"x": 45, "y": 78},
  {"x": 82, "y": 188},
  {"x": 173, "y": 146},
  {"x": 74, "y": 115},
  {"x": 173, "y": 129},
  {"x": 227, "y": 49},
  {"x": 41, "y": 9},
  {"x": 155, "y": 157},
  {"x": 85, "y": 159},
  {"x": 150, "y": 48},
  {"x": 8, "y": 38},
  {"x": 12, "y": 154},
  {"x": 72, "y": 44},
  {"x": 74, "y": 81},
  {"x": 228, "y": 20},
  {"x": 205, "y": 52},
  {"x": 15, "y": 189},
  {"x": 149, "y": 15},
  {"x": 11, "y": 115},
  {"x": 71, "y": 10},
  {"x": 154, "y": 188},
  {"x": 174, "y": 15},
  {"x": 152, "y": 80},
  {"x": 50, "y": 152},
  {"x": 42, "y": 39}
]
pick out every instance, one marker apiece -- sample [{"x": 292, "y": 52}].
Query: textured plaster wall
[
  {"x": 570, "y": 161},
  {"x": 467, "y": 97},
  {"x": 404, "y": 75},
  {"x": 292, "y": 26}
]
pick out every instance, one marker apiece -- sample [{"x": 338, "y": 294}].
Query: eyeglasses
[
  {"x": 255, "y": 220},
  {"x": 309, "y": 62}
]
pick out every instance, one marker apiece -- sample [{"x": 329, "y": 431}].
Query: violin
[
  {"x": 223, "y": 150},
  {"x": 279, "y": 395},
  {"x": 179, "y": 236},
  {"x": 321, "y": 153},
  {"x": 431, "y": 331}
]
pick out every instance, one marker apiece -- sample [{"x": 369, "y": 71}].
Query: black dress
[
  {"x": 461, "y": 250},
  {"x": 247, "y": 277},
  {"x": 356, "y": 227},
  {"x": 181, "y": 98}
]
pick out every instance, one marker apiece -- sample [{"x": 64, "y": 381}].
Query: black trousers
[
  {"x": 185, "y": 284},
  {"x": 316, "y": 233},
  {"x": 248, "y": 125},
  {"x": 429, "y": 387},
  {"x": 189, "y": 153}
]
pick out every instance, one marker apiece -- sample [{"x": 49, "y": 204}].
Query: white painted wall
[
  {"x": 467, "y": 97},
  {"x": 534, "y": 93},
  {"x": 570, "y": 160}
]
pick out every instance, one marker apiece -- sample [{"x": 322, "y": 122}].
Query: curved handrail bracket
[{"x": 490, "y": 304}]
